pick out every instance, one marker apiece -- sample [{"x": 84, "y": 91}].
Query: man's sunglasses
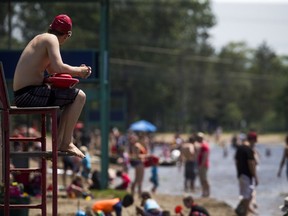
[{"x": 69, "y": 33}]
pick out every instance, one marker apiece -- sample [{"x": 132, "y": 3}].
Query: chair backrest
[{"x": 4, "y": 97}]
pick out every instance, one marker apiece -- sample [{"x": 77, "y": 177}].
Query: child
[
  {"x": 195, "y": 209},
  {"x": 154, "y": 174},
  {"x": 113, "y": 205},
  {"x": 150, "y": 206},
  {"x": 95, "y": 180},
  {"x": 76, "y": 189},
  {"x": 86, "y": 164},
  {"x": 125, "y": 180}
]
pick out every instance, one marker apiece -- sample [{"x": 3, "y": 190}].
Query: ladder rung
[
  {"x": 25, "y": 170},
  {"x": 45, "y": 154},
  {"x": 22, "y": 206},
  {"x": 30, "y": 139}
]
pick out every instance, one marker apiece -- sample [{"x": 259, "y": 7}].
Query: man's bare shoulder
[
  {"x": 46, "y": 38},
  {"x": 186, "y": 146}
]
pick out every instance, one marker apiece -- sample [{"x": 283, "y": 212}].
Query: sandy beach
[{"x": 68, "y": 207}]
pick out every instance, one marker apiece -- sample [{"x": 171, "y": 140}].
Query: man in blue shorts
[{"x": 43, "y": 54}]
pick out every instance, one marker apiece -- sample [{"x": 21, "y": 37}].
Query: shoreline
[{"x": 225, "y": 138}]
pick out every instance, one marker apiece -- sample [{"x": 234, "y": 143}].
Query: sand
[{"x": 68, "y": 207}]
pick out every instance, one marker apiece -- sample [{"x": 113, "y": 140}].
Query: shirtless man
[
  {"x": 284, "y": 160},
  {"x": 43, "y": 53},
  {"x": 188, "y": 156}
]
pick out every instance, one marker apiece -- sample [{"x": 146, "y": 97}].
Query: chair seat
[
  {"x": 34, "y": 108},
  {"x": 30, "y": 110}
]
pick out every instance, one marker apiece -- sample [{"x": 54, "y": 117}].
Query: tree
[
  {"x": 265, "y": 66},
  {"x": 161, "y": 58},
  {"x": 161, "y": 35}
]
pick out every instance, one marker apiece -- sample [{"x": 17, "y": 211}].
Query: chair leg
[
  {"x": 54, "y": 163},
  {"x": 43, "y": 165},
  {"x": 6, "y": 147}
]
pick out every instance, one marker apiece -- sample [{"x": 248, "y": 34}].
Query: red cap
[
  {"x": 252, "y": 136},
  {"x": 178, "y": 209},
  {"x": 61, "y": 23}
]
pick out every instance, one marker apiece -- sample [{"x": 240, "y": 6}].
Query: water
[{"x": 224, "y": 184}]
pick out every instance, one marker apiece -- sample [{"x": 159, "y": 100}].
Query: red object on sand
[
  {"x": 62, "y": 81},
  {"x": 178, "y": 209}
]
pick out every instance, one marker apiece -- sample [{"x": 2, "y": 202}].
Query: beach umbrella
[{"x": 143, "y": 126}]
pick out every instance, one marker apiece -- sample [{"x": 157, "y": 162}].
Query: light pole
[{"x": 104, "y": 91}]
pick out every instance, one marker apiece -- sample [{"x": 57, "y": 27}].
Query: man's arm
[
  {"x": 285, "y": 153},
  {"x": 56, "y": 64},
  {"x": 181, "y": 158},
  {"x": 118, "y": 209},
  {"x": 252, "y": 168}
]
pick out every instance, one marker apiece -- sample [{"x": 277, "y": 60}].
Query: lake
[{"x": 223, "y": 181}]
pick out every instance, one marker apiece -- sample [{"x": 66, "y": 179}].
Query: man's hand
[{"x": 85, "y": 71}]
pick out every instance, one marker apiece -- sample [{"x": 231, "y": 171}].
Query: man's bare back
[
  {"x": 33, "y": 61},
  {"x": 42, "y": 53}
]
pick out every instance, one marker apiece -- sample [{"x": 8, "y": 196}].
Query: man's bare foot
[{"x": 72, "y": 149}]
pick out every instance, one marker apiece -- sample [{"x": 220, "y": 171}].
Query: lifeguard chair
[{"x": 6, "y": 139}]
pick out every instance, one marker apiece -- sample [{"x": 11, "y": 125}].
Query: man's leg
[
  {"x": 246, "y": 193},
  {"x": 69, "y": 118},
  {"x": 206, "y": 188},
  {"x": 192, "y": 185},
  {"x": 140, "y": 176},
  {"x": 242, "y": 208},
  {"x": 186, "y": 176},
  {"x": 185, "y": 184}
]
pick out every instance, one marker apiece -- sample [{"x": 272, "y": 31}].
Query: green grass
[{"x": 108, "y": 193}]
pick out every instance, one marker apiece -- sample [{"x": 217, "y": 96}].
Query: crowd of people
[
  {"x": 134, "y": 151},
  {"x": 148, "y": 207}
]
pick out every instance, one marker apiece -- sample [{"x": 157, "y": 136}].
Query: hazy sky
[
  {"x": 252, "y": 21},
  {"x": 251, "y": 1}
]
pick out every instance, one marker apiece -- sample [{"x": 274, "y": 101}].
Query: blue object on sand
[{"x": 80, "y": 213}]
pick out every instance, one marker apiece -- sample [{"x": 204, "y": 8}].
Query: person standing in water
[
  {"x": 284, "y": 159},
  {"x": 246, "y": 174},
  {"x": 188, "y": 157},
  {"x": 203, "y": 163}
]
